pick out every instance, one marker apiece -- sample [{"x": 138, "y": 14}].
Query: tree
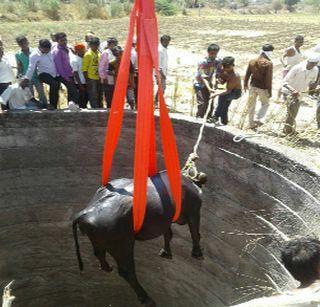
[
  {"x": 290, "y": 4},
  {"x": 243, "y": 3},
  {"x": 315, "y": 4},
  {"x": 276, "y": 5},
  {"x": 219, "y": 3}
]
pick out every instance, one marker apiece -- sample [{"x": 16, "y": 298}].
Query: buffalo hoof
[
  {"x": 149, "y": 302},
  {"x": 164, "y": 254},
  {"x": 107, "y": 269},
  {"x": 197, "y": 254}
]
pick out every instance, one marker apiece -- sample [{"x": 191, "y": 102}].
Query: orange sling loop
[{"x": 145, "y": 144}]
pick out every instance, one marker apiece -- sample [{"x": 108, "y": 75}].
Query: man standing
[
  {"x": 42, "y": 60},
  {"x": 233, "y": 90},
  {"x": 113, "y": 70},
  {"x": 292, "y": 56},
  {"x": 297, "y": 82},
  {"x": 207, "y": 68},
  {"x": 90, "y": 68},
  {"x": 107, "y": 81},
  {"x": 163, "y": 59},
  {"x": 63, "y": 67},
  {"x": 260, "y": 71},
  {"x": 6, "y": 73},
  {"x": 76, "y": 64},
  {"x": 22, "y": 59}
]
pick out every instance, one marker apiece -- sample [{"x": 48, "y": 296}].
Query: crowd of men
[
  {"x": 300, "y": 76},
  {"x": 89, "y": 72}
]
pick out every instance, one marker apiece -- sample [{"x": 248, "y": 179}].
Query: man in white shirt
[
  {"x": 19, "y": 98},
  {"x": 301, "y": 257},
  {"x": 76, "y": 64},
  {"x": 42, "y": 61},
  {"x": 6, "y": 73},
  {"x": 295, "y": 84},
  {"x": 163, "y": 59}
]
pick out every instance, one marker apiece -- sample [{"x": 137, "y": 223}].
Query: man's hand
[{"x": 295, "y": 93}]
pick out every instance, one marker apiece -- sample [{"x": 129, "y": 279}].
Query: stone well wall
[{"x": 50, "y": 168}]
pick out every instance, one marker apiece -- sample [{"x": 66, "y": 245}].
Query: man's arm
[
  {"x": 6, "y": 95},
  {"x": 290, "y": 76},
  {"x": 75, "y": 68},
  {"x": 288, "y": 53},
  {"x": 34, "y": 58},
  {"x": 85, "y": 66},
  {"x": 161, "y": 63},
  {"x": 59, "y": 63},
  {"x": 103, "y": 67},
  {"x": 19, "y": 67},
  {"x": 269, "y": 74},
  {"x": 247, "y": 77}
]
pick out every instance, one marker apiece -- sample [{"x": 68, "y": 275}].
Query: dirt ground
[{"x": 240, "y": 36}]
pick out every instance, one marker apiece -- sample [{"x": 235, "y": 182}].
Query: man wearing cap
[
  {"x": 295, "y": 84},
  {"x": 76, "y": 64},
  {"x": 260, "y": 71}
]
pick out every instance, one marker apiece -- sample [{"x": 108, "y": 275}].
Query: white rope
[{"x": 205, "y": 118}]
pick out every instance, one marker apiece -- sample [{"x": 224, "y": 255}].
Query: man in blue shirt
[{"x": 207, "y": 69}]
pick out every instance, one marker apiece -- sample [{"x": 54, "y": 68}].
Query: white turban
[{"x": 314, "y": 58}]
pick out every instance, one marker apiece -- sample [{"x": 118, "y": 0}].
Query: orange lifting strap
[{"x": 143, "y": 22}]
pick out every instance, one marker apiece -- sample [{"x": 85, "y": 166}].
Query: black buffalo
[{"x": 108, "y": 223}]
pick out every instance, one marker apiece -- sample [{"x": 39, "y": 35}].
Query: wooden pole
[{"x": 7, "y": 298}]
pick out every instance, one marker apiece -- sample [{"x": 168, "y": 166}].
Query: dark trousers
[
  {"x": 224, "y": 102},
  {"x": 73, "y": 94},
  {"x": 3, "y": 87},
  {"x": 95, "y": 93},
  {"x": 108, "y": 91},
  {"x": 203, "y": 97},
  {"x": 83, "y": 96},
  {"x": 54, "y": 85}
]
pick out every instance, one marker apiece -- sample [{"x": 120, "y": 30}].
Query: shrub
[
  {"x": 165, "y": 7},
  {"x": 30, "y": 5},
  {"x": 51, "y": 8},
  {"x": 116, "y": 9},
  {"x": 96, "y": 11}
]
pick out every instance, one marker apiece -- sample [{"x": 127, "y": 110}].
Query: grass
[{"x": 238, "y": 35}]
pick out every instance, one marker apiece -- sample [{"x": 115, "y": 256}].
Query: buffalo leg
[
  {"x": 166, "y": 251},
  {"x": 99, "y": 250},
  {"x": 123, "y": 253},
  {"x": 194, "y": 226}
]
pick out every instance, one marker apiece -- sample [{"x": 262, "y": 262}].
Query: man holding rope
[
  {"x": 207, "y": 68},
  {"x": 297, "y": 82}
]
